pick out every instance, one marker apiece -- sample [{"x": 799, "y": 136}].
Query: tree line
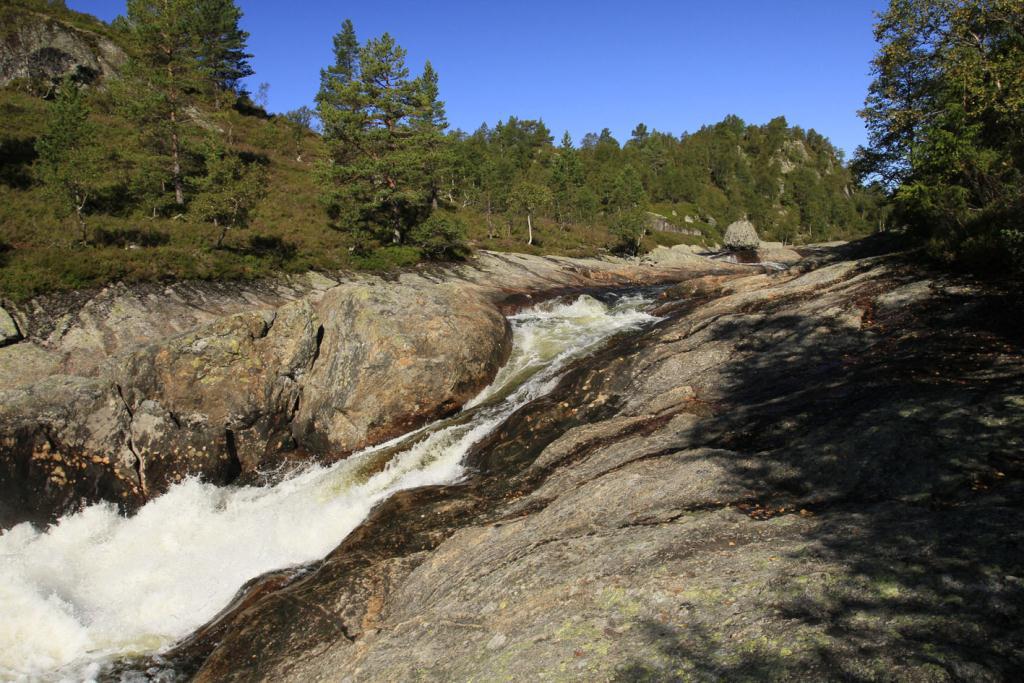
[{"x": 390, "y": 172}]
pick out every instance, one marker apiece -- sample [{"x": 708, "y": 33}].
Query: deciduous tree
[{"x": 69, "y": 156}]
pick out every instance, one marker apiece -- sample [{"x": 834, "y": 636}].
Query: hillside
[{"x": 791, "y": 182}]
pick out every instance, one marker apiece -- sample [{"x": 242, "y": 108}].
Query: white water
[{"x": 98, "y": 586}]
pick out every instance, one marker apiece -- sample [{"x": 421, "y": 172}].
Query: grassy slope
[{"x": 290, "y": 233}]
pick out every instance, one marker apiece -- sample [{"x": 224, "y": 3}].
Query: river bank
[
  {"x": 806, "y": 474},
  {"x": 810, "y": 475},
  {"x": 118, "y": 394}
]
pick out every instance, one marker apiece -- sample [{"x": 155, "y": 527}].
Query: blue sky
[{"x": 583, "y": 66}]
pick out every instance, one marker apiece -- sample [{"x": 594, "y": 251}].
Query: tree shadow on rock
[
  {"x": 692, "y": 654},
  {"x": 903, "y": 437}
]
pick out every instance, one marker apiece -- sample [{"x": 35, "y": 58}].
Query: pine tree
[
  {"x": 160, "y": 79},
  {"x": 628, "y": 192},
  {"x": 221, "y": 45},
  {"x": 69, "y": 156},
  {"x": 383, "y": 132},
  {"x": 566, "y": 178},
  {"x": 180, "y": 52}
]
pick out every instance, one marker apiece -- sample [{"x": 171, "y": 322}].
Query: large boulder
[
  {"x": 393, "y": 358},
  {"x": 741, "y": 235},
  {"x": 777, "y": 252}
]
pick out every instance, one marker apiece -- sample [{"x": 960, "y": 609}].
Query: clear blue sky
[{"x": 583, "y": 66}]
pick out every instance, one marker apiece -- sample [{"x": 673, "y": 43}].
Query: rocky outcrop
[
  {"x": 679, "y": 255},
  {"x": 218, "y": 402},
  {"x": 36, "y": 47},
  {"x": 656, "y": 221},
  {"x": 395, "y": 357},
  {"x": 9, "y": 332},
  {"x": 142, "y": 386},
  {"x": 812, "y": 475},
  {"x": 741, "y": 235},
  {"x": 62, "y": 440}
]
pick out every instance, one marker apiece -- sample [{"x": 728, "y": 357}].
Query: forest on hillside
[{"x": 172, "y": 169}]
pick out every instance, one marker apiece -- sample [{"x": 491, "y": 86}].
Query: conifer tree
[
  {"x": 179, "y": 52},
  {"x": 382, "y": 129},
  {"x": 160, "y": 78},
  {"x": 69, "y": 156},
  {"x": 221, "y": 45}
]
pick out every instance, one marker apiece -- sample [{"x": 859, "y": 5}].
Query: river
[{"x": 97, "y": 586}]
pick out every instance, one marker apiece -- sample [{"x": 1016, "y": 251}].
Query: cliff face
[{"x": 40, "y": 48}]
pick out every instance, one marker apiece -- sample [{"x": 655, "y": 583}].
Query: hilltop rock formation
[
  {"x": 812, "y": 475},
  {"x": 117, "y": 395},
  {"x": 36, "y": 47}
]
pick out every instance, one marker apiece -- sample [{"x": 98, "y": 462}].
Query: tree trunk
[
  {"x": 223, "y": 232},
  {"x": 179, "y": 189},
  {"x": 529, "y": 230},
  {"x": 79, "y": 205}
]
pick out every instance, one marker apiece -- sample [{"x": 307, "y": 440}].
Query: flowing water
[{"x": 97, "y": 586}]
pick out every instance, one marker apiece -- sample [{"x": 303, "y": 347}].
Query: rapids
[{"x": 97, "y": 586}]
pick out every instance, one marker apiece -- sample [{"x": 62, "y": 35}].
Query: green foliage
[
  {"x": 220, "y": 44},
  {"x": 791, "y": 182},
  {"x": 228, "y": 193},
  {"x": 68, "y": 156},
  {"x": 183, "y": 56},
  {"x": 630, "y": 227},
  {"x": 944, "y": 121},
  {"x": 383, "y": 134},
  {"x": 440, "y": 237}
]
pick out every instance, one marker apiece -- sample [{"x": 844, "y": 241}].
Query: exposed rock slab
[
  {"x": 35, "y": 46},
  {"x": 778, "y": 484},
  {"x": 395, "y": 357},
  {"x": 233, "y": 380}
]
